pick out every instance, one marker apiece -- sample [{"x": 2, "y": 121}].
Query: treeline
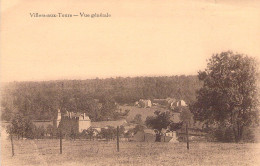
[
  {"x": 23, "y": 127},
  {"x": 96, "y": 97}
]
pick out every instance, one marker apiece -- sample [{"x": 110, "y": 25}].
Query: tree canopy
[
  {"x": 229, "y": 93},
  {"x": 40, "y": 100}
]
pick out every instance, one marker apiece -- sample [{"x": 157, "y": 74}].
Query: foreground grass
[{"x": 82, "y": 152}]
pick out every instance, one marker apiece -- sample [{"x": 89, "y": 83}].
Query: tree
[
  {"x": 137, "y": 119},
  {"x": 90, "y": 132},
  {"x": 108, "y": 133},
  {"x": 51, "y": 130},
  {"x": 40, "y": 100},
  {"x": 121, "y": 130},
  {"x": 21, "y": 127},
  {"x": 229, "y": 93},
  {"x": 138, "y": 128},
  {"x": 186, "y": 115},
  {"x": 158, "y": 122}
]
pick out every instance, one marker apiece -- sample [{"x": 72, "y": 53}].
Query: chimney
[{"x": 84, "y": 115}]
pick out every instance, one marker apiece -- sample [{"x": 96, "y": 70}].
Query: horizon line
[{"x": 97, "y": 77}]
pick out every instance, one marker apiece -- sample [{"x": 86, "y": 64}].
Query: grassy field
[
  {"x": 83, "y": 152},
  {"x": 143, "y": 111}
]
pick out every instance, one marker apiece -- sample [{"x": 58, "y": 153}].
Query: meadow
[
  {"x": 142, "y": 111},
  {"x": 85, "y": 152}
]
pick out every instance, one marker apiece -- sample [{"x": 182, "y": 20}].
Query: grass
[
  {"x": 143, "y": 111},
  {"x": 83, "y": 152}
]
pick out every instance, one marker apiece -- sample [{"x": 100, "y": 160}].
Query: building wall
[
  {"x": 145, "y": 103},
  {"x": 69, "y": 124},
  {"x": 84, "y": 125},
  {"x": 42, "y": 123}
]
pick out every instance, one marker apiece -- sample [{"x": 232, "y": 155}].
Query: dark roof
[
  {"x": 43, "y": 123},
  {"x": 73, "y": 114},
  {"x": 103, "y": 124},
  {"x": 150, "y": 131}
]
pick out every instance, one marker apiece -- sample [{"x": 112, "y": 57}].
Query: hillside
[
  {"x": 40, "y": 100},
  {"x": 142, "y": 111}
]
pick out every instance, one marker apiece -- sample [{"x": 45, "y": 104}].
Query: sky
[{"x": 148, "y": 38}]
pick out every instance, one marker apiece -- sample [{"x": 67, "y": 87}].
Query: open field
[
  {"x": 143, "y": 111},
  {"x": 83, "y": 152}
]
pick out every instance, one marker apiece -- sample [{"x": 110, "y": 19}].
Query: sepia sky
[{"x": 148, "y": 38}]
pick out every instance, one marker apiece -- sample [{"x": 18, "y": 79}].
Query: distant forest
[{"x": 40, "y": 100}]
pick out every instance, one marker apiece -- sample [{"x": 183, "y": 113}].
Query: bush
[
  {"x": 226, "y": 134},
  {"x": 221, "y": 134},
  {"x": 250, "y": 135}
]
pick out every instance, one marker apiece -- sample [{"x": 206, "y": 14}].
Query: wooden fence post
[
  {"x": 12, "y": 145},
  {"x": 117, "y": 138},
  {"x": 187, "y": 136},
  {"x": 60, "y": 141}
]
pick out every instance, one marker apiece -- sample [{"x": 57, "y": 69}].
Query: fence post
[
  {"x": 117, "y": 138},
  {"x": 12, "y": 145},
  {"x": 187, "y": 136},
  {"x": 60, "y": 141}
]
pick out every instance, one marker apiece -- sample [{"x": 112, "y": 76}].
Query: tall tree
[
  {"x": 158, "y": 122},
  {"x": 229, "y": 92},
  {"x": 137, "y": 119}
]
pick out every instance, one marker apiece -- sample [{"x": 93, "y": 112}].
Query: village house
[
  {"x": 105, "y": 124},
  {"x": 164, "y": 102},
  {"x": 43, "y": 123},
  {"x": 79, "y": 120},
  {"x": 149, "y": 135},
  {"x": 145, "y": 103},
  {"x": 179, "y": 103},
  {"x": 169, "y": 102},
  {"x": 97, "y": 126}
]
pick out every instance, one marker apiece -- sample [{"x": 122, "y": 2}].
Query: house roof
[
  {"x": 150, "y": 131},
  {"x": 75, "y": 115},
  {"x": 43, "y": 123},
  {"x": 103, "y": 124}
]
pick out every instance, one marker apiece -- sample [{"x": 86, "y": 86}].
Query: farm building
[
  {"x": 165, "y": 102},
  {"x": 148, "y": 135},
  {"x": 173, "y": 135},
  {"x": 170, "y": 102},
  {"x": 179, "y": 103},
  {"x": 136, "y": 103},
  {"x": 77, "y": 121},
  {"x": 43, "y": 123},
  {"x": 160, "y": 101},
  {"x": 105, "y": 124},
  {"x": 145, "y": 103}
]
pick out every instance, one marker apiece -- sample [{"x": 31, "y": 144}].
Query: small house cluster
[
  {"x": 144, "y": 103},
  {"x": 79, "y": 122},
  {"x": 168, "y": 102}
]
